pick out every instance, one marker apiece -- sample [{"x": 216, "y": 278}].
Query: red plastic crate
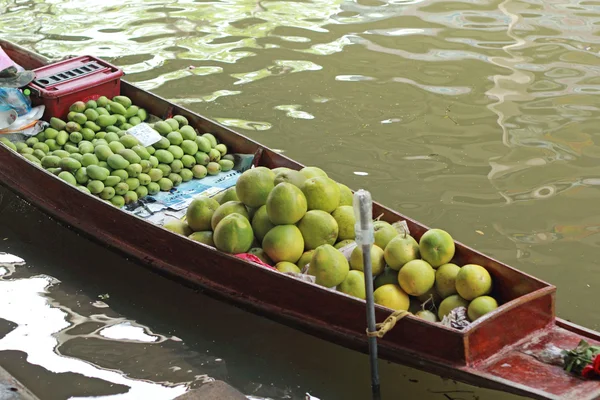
[{"x": 84, "y": 78}]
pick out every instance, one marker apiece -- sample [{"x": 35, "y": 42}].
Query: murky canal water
[{"x": 478, "y": 117}]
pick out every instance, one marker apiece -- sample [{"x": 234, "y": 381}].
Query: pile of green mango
[{"x": 93, "y": 151}]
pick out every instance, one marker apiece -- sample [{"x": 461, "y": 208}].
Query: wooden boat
[{"x": 494, "y": 352}]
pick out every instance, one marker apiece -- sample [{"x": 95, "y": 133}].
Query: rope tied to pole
[{"x": 387, "y": 325}]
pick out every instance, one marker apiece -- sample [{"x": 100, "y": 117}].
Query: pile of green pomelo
[
  {"x": 93, "y": 151},
  {"x": 292, "y": 219}
]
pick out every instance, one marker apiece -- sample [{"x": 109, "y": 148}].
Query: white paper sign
[{"x": 146, "y": 135}]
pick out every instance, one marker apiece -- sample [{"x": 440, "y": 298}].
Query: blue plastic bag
[{"x": 11, "y": 98}]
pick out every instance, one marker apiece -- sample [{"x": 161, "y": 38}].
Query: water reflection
[{"x": 43, "y": 328}]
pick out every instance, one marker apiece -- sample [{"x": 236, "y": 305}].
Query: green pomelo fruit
[
  {"x": 254, "y": 185},
  {"x": 445, "y": 279},
  {"x": 450, "y": 303},
  {"x": 344, "y": 216},
  {"x": 178, "y": 226},
  {"x": 283, "y": 243},
  {"x": 205, "y": 237},
  {"x": 261, "y": 224},
  {"x": 286, "y": 204},
  {"x": 473, "y": 281},
  {"x": 400, "y": 250},
  {"x": 343, "y": 243},
  {"x": 329, "y": 266},
  {"x": 391, "y": 296},
  {"x": 317, "y": 228},
  {"x": 480, "y": 306},
  {"x": 296, "y": 178},
  {"x": 416, "y": 277},
  {"x": 354, "y": 284},
  {"x": 226, "y": 209},
  {"x": 436, "y": 247},
  {"x": 313, "y": 172},
  {"x": 427, "y": 315},
  {"x": 346, "y": 196},
  {"x": 321, "y": 193},
  {"x": 233, "y": 234},
  {"x": 285, "y": 266},
  {"x": 277, "y": 170},
  {"x": 377, "y": 262},
  {"x": 383, "y": 232},
  {"x": 200, "y": 212},
  {"x": 304, "y": 259},
  {"x": 227, "y": 195}
]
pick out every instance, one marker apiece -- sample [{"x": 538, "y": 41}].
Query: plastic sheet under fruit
[{"x": 155, "y": 208}]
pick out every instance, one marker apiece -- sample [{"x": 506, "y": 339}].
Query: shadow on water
[{"x": 79, "y": 321}]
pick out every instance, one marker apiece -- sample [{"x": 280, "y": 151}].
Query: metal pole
[{"x": 363, "y": 211}]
